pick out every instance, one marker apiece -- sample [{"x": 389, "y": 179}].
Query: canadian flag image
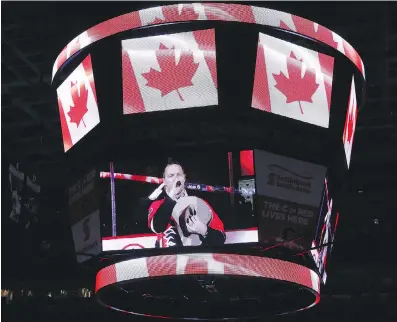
[
  {"x": 289, "y": 81},
  {"x": 350, "y": 123},
  {"x": 78, "y": 108},
  {"x": 172, "y": 71}
]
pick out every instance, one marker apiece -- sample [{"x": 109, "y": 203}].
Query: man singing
[{"x": 179, "y": 219}]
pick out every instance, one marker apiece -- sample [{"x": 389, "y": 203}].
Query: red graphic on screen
[
  {"x": 350, "y": 126},
  {"x": 207, "y": 264},
  {"x": 247, "y": 163},
  {"x": 78, "y": 104},
  {"x": 352, "y": 54},
  {"x": 326, "y": 36},
  {"x": 296, "y": 88},
  {"x": 226, "y": 12},
  {"x": 172, "y": 76},
  {"x": 307, "y": 27},
  {"x": 323, "y": 34},
  {"x": 77, "y": 112},
  {"x": 350, "y": 123},
  {"x": 213, "y": 11},
  {"x": 283, "y": 25},
  {"x": 171, "y": 13},
  {"x": 196, "y": 265}
]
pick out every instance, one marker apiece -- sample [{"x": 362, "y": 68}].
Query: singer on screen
[{"x": 179, "y": 219}]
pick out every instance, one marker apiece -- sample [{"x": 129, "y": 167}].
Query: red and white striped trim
[
  {"x": 131, "y": 177},
  {"x": 208, "y": 264},
  {"x": 145, "y": 241},
  {"x": 208, "y": 11},
  {"x": 148, "y": 179}
]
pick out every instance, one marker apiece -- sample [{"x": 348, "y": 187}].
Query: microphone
[
  {"x": 157, "y": 192},
  {"x": 178, "y": 184}
]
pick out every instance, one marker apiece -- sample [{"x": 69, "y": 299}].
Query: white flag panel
[
  {"x": 77, "y": 103},
  {"x": 292, "y": 81},
  {"x": 167, "y": 72}
]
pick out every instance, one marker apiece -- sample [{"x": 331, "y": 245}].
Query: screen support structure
[{"x": 113, "y": 199}]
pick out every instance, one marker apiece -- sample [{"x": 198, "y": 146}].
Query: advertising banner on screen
[
  {"x": 288, "y": 199},
  {"x": 77, "y": 101},
  {"x": 84, "y": 213},
  {"x": 171, "y": 71},
  {"x": 292, "y": 81},
  {"x": 178, "y": 204},
  {"x": 87, "y": 236},
  {"x": 25, "y": 192},
  {"x": 350, "y": 123}
]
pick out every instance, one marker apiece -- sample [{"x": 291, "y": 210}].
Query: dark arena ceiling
[{"x": 363, "y": 271}]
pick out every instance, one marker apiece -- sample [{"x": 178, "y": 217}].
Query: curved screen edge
[{"x": 208, "y": 11}]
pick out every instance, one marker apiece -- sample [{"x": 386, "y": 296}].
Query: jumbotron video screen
[
  {"x": 189, "y": 201},
  {"x": 214, "y": 199}
]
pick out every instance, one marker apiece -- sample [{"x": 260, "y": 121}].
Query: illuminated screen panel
[
  {"x": 350, "y": 123},
  {"x": 292, "y": 81},
  {"x": 167, "y": 72},
  {"x": 77, "y": 101},
  {"x": 247, "y": 163},
  {"x": 249, "y": 278},
  {"x": 165, "y": 204},
  {"x": 84, "y": 214},
  {"x": 325, "y": 233},
  {"x": 288, "y": 199},
  {"x": 206, "y": 264},
  {"x": 208, "y": 11}
]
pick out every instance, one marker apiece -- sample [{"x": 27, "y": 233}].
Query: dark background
[{"x": 362, "y": 269}]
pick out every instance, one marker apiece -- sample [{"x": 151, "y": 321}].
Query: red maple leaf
[
  {"x": 172, "y": 76},
  {"x": 172, "y": 14},
  {"x": 296, "y": 88},
  {"x": 323, "y": 34},
  {"x": 79, "y": 108}
]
